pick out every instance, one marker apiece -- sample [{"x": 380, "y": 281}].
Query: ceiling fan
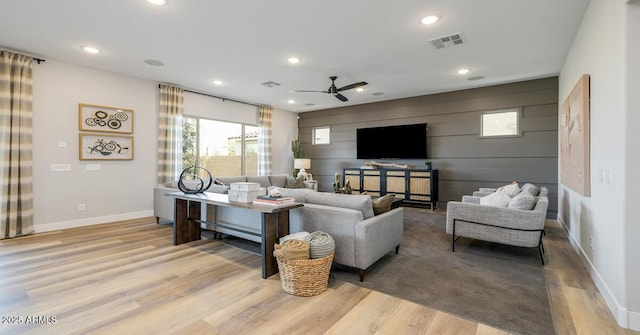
[{"x": 336, "y": 91}]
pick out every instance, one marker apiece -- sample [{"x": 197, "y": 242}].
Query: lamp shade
[{"x": 302, "y": 163}]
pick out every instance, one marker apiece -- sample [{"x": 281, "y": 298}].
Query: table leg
[
  {"x": 274, "y": 226},
  {"x": 184, "y": 229}
]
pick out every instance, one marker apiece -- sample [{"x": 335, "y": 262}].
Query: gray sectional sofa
[
  {"x": 361, "y": 237},
  {"x": 512, "y": 226}
]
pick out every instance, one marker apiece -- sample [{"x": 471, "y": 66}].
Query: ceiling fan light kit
[{"x": 335, "y": 90}]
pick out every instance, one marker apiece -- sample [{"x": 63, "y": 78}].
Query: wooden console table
[{"x": 187, "y": 220}]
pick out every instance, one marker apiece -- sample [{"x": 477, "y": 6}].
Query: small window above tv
[{"x": 392, "y": 142}]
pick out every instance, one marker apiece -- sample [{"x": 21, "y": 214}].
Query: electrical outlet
[
  {"x": 82, "y": 207},
  {"x": 591, "y": 242}
]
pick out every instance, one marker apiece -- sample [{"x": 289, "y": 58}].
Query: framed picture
[
  {"x": 106, "y": 147},
  {"x": 105, "y": 119}
]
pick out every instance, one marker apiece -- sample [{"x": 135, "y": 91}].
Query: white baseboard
[
  {"x": 41, "y": 228},
  {"x": 634, "y": 320},
  {"x": 620, "y": 313}
]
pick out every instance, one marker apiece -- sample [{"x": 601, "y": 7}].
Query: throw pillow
[
  {"x": 297, "y": 182},
  {"x": 533, "y": 189},
  {"x": 511, "y": 189},
  {"x": 524, "y": 200},
  {"x": 499, "y": 198},
  {"x": 382, "y": 204}
]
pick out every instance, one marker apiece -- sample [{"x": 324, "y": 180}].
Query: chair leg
[
  {"x": 361, "y": 272},
  {"x": 397, "y": 248},
  {"x": 157, "y": 219},
  {"x": 453, "y": 237},
  {"x": 540, "y": 253}
]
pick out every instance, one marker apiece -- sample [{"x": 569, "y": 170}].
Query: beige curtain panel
[
  {"x": 170, "y": 133},
  {"x": 264, "y": 140},
  {"x": 16, "y": 196}
]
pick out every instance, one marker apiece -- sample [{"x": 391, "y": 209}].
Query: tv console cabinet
[{"x": 414, "y": 186}]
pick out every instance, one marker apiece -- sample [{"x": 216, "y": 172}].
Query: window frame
[
  {"x": 243, "y": 139},
  {"x": 313, "y": 135},
  {"x": 517, "y": 110}
]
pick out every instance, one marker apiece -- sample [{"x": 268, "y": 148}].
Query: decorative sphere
[{"x": 194, "y": 180}]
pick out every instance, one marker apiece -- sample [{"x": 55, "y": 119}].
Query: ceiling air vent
[
  {"x": 269, "y": 83},
  {"x": 448, "y": 41}
]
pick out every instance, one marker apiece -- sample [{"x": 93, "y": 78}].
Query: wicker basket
[{"x": 305, "y": 277}]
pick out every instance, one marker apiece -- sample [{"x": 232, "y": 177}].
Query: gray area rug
[{"x": 495, "y": 284}]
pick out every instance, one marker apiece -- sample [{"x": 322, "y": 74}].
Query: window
[
  {"x": 223, "y": 148},
  {"x": 321, "y": 135},
  {"x": 500, "y": 123}
]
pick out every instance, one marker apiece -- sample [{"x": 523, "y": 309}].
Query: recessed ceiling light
[
  {"x": 430, "y": 19},
  {"x": 475, "y": 78},
  {"x": 217, "y": 82},
  {"x": 377, "y": 93},
  {"x": 309, "y": 104},
  {"x": 359, "y": 89},
  {"x": 154, "y": 62},
  {"x": 463, "y": 71},
  {"x": 293, "y": 60},
  {"x": 157, "y": 2},
  {"x": 291, "y": 101},
  {"x": 91, "y": 50}
]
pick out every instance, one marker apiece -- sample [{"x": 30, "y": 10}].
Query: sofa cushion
[
  {"x": 235, "y": 179},
  {"x": 223, "y": 189},
  {"x": 382, "y": 204},
  {"x": 357, "y": 202},
  {"x": 524, "y": 200},
  {"x": 279, "y": 180},
  {"x": 297, "y": 182},
  {"x": 300, "y": 194},
  {"x": 264, "y": 181},
  {"x": 171, "y": 184},
  {"x": 499, "y": 198}
]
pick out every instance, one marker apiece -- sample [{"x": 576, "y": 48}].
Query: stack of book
[{"x": 265, "y": 200}]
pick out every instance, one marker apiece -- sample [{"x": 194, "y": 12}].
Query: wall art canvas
[
  {"x": 105, "y": 119},
  {"x": 105, "y": 147},
  {"x": 574, "y": 132}
]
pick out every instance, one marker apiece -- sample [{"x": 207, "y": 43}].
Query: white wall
[
  {"x": 600, "y": 49},
  {"x": 121, "y": 189},
  {"x": 285, "y": 130},
  {"x": 632, "y": 196}
]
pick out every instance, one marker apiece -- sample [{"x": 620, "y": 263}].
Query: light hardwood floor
[{"x": 128, "y": 278}]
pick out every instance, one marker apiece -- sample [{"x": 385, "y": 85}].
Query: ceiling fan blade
[
  {"x": 341, "y": 97},
  {"x": 303, "y": 91},
  {"x": 352, "y": 86}
]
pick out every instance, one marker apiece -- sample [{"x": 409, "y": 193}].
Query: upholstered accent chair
[{"x": 506, "y": 225}]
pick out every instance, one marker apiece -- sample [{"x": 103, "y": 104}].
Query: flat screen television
[{"x": 392, "y": 142}]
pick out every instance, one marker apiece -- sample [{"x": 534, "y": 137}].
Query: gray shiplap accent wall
[{"x": 465, "y": 161}]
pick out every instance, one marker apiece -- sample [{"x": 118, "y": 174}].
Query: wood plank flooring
[{"x": 128, "y": 278}]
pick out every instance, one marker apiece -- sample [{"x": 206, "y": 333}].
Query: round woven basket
[{"x": 305, "y": 277}]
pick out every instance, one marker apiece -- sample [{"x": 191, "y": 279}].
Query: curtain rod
[
  {"x": 38, "y": 60},
  {"x": 215, "y": 96}
]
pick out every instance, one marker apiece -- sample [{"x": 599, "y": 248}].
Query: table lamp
[{"x": 302, "y": 164}]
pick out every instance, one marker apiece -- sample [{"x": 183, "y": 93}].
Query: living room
[{"x": 602, "y": 228}]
